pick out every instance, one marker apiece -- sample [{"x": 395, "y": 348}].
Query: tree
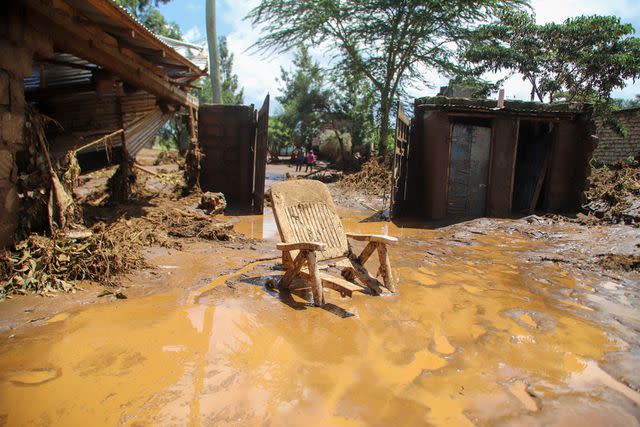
[
  {"x": 390, "y": 42},
  {"x": 214, "y": 59},
  {"x": 232, "y": 94},
  {"x": 279, "y": 135},
  {"x": 304, "y": 99},
  {"x": 582, "y": 59},
  {"x": 355, "y": 99},
  {"x": 151, "y": 17}
]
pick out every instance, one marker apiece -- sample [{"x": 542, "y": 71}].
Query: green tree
[
  {"x": 582, "y": 59},
  {"x": 232, "y": 93},
  {"x": 355, "y": 99},
  {"x": 151, "y": 17},
  {"x": 390, "y": 42},
  {"x": 279, "y": 135},
  {"x": 305, "y": 100}
]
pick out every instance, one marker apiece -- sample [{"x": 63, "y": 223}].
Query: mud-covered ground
[{"x": 530, "y": 321}]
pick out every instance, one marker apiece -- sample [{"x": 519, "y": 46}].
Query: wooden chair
[{"x": 313, "y": 239}]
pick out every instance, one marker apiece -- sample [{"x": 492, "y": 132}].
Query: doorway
[{"x": 532, "y": 162}]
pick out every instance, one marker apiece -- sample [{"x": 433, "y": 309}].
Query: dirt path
[{"x": 497, "y": 322}]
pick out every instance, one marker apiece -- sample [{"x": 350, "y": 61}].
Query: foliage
[
  {"x": 582, "y": 59},
  {"x": 355, "y": 100},
  {"x": 304, "y": 98},
  {"x": 279, "y": 134},
  {"x": 151, "y": 17},
  {"x": 232, "y": 94},
  {"x": 621, "y": 104},
  {"x": 478, "y": 88},
  {"x": 389, "y": 42}
]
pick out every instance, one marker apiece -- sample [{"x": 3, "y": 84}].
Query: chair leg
[
  {"x": 316, "y": 283},
  {"x": 385, "y": 267},
  {"x": 292, "y": 272}
]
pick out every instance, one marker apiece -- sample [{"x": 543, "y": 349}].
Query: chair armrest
[
  {"x": 308, "y": 246},
  {"x": 377, "y": 238}
]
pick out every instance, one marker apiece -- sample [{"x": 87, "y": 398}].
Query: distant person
[
  {"x": 299, "y": 160},
  {"x": 311, "y": 161},
  {"x": 293, "y": 157}
]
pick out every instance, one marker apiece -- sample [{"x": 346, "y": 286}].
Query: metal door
[
  {"x": 400, "y": 162},
  {"x": 468, "y": 170}
]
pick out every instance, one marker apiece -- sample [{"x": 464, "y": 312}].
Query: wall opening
[{"x": 532, "y": 161}]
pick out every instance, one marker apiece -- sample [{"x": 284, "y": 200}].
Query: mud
[{"x": 496, "y": 323}]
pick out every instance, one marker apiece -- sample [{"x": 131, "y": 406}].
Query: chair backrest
[{"x": 305, "y": 212}]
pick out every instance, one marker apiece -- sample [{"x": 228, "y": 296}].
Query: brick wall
[
  {"x": 612, "y": 146},
  {"x": 20, "y": 40}
]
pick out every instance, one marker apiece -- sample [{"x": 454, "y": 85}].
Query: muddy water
[{"x": 479, "y": 336}]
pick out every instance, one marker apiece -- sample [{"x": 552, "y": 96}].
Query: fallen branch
[{"x": 142, "y": 168}]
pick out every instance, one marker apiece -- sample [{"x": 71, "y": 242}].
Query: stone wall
[
  {"x": 20, "y": 40},
  {"x": 612, "y": 147}
]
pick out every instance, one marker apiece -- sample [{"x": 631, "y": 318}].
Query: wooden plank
[
  {"x": 543, "y": 174},
  {"x": 344, "y": 287},
  {"x": 260, "y": 157}
]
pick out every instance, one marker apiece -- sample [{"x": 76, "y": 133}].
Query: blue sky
[{"x": 258, "y": 74}]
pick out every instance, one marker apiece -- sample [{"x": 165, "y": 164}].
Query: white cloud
[
  {"x": 256, "y": 73},
  {"x": 193, "y": 34}
]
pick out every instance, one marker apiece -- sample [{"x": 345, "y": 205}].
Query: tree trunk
[
  {"x": 385, "y": 109},
  {"x": 214, "y": 58}
]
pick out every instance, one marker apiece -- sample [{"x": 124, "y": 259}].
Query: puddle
[
  {"x": 472, "y": 336},
  {"x": 262, "y": 227}
]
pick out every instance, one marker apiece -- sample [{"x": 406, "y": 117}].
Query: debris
[
  {"x": 168, "y": 157},
  {"x": 613, "y": 194},
  {"x": 120, "y": 295},
  {"x": 620, "y": 262},
  {"x": 46, "y": 265},
  {"x": 213, "y": 203},
  {"x": 374, "y": 178},
  {"x": 105, "y": 293}
]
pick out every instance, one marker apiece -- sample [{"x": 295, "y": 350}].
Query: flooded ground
[{"x": 497, "y": 322}]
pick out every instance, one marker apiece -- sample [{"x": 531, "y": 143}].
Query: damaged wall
[
  {"x": 20, "y": 40},
  {"x": 467, "y": 154},
  {"x": 613, "y": 147}
]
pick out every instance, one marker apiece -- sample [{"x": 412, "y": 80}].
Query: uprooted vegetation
[
  {"x": 48, "y": 264},
  {"x": 613, "y": 194},
  {"x": 373, "y": 178},
  {"x": 54, "y": 248}
]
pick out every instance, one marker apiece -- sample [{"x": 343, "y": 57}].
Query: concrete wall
[
  {"x": 612, "y": 147},
  {"x": 20, "y": 40}
]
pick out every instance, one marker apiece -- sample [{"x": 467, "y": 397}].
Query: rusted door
[
  {"x": 260, "y": 157},
  {"x": 400, "y": 162},
  {"x": 468, "y": 170}
]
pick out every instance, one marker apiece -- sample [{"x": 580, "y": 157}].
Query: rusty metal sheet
[{"x": 468, "y": 170}]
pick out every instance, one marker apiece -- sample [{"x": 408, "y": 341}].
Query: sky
[{"x": 259, "y": 74}]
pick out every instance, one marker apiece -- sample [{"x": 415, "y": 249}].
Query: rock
[{"x": 213, "y": 203}]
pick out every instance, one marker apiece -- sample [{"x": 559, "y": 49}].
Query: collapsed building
[
  {"x": 467, "y": 158},
  {"x": 95, "y": 71}
]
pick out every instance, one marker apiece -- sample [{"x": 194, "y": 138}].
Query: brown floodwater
[{"x": 479, "y": 336}]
